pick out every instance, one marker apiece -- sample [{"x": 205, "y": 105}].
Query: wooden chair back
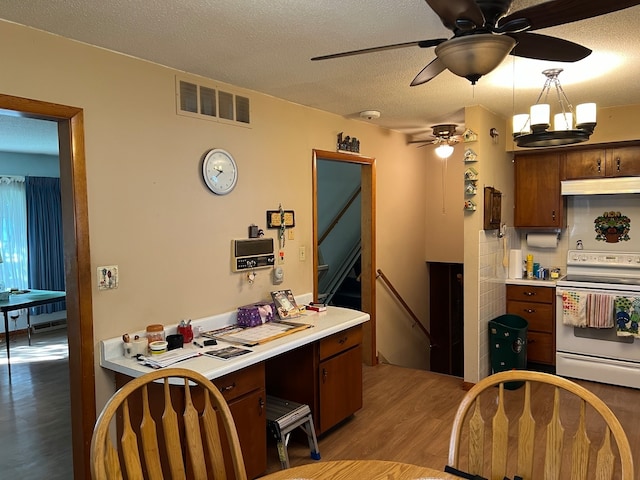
[
  {"x": 529, "y": 432},
  {"x": 155, "y": 442}
]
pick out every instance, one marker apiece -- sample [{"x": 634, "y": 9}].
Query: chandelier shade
[
  {"x": 444, "y": 150},
  {"x": 533, "y": 129},
  {"x": 473, "y": 56}
]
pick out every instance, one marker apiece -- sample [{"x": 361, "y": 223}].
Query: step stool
[{"x": 284, "y": 416}]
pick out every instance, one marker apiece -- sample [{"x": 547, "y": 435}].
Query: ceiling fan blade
[
  {"x": 420, "y": 43},
  {"x": 544, "y": 47},
  {"x": 560, "y": 12},
  {"x": 430, "y": 71},
  {"x": 450, "y": 12}
]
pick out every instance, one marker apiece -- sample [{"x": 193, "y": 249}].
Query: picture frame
[
  {"x": 285, "y": 303},
  {"x": 274, "y": 218}
]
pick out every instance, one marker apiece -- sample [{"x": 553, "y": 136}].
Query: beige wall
[
  {"x": 150, "y": 214},
  {"x": 495, "y": 169},
  {"x": 444, "y": 241}
]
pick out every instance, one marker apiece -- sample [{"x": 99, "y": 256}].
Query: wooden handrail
[
  {"x": 404, "y": 304},
  {"x": 339, "y": 216}
]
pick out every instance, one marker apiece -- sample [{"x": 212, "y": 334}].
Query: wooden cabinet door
[
  {"x": 623, "y": 162},
  {"x": 538, "y": 202},
  {"x": 250, "y": 416},
  {"x": 583, "y": 164},
  {"x": 340, "y": 387}
]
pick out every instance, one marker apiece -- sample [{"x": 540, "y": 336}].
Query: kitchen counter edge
[{"x": 324, "y": 324}]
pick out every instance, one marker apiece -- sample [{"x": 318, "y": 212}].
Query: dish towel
[
  {"x": 600, "y": 310},
  {"x": 574, "y": 307},
  {"x": 627, "y": 310}
]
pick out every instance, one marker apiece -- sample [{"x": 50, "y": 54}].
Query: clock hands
[{"x": 219, "y": 170}]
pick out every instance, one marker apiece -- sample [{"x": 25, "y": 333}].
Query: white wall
[{"x": 149, "y": 212}]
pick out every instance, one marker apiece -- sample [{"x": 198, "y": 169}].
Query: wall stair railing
[
  {"x": 341, "y": 273},
  {"x": 332, "y": 283},
  {"x": 416, "y": 320}
]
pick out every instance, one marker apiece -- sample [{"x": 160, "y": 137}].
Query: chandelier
[{"x": 533, "y": 129}]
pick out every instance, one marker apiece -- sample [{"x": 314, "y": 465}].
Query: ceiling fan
[
  {"x": 484, "y": 33},
  {"x": 444, "y": 134}
]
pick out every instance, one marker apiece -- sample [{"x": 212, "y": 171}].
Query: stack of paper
[{"x": 169, "y": 358}]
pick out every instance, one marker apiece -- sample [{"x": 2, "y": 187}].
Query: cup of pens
[{"x": 186, "y": 331}]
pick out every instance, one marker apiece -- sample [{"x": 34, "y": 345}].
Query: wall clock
[{"x": 219, "y": 171}]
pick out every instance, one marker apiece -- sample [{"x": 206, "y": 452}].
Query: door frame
[
  {"x": 77, "y": 266},
  {"x": 368, "y": 241}
]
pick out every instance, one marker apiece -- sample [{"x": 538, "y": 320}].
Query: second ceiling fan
[{"x": 484, "y": 33}]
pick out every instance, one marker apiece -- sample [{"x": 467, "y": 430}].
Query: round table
[{"x": 356, "y": 470}]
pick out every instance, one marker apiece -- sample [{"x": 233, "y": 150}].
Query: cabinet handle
[
  {"x": 618, "y": 164},
  {"x": 343, "y": 340},
  {"x": 530, "y": 310},
  {"x": 261, "y": 405},
  {"x": 530, "y": 340},
  {"x": 228, "y": 388},
  {"x": 599, "y": 162},
  {"x": 553, "y": 215},
  {"x": 529, "y": 294},
  {"x": 324, "y": 375}
]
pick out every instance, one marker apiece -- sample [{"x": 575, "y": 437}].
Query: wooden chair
[
  {"x": 518, "y": 448},
  {"x": 185, "y": 446}
]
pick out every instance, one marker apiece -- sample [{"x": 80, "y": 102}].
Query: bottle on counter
[{"x": 530, "y": 266}]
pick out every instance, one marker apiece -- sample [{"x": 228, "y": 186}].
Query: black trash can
[{"x": 508, "y": 345}]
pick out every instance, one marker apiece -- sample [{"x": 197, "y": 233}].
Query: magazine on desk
[{"x": 226, "y": 353}]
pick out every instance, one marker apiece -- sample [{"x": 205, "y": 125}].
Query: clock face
[{"x": 219, "y": 171}]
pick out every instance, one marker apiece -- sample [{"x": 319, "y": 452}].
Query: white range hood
[{"x": 601, "y": 186}]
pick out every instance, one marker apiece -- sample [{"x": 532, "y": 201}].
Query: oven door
[{"x": 595, "y": 342}]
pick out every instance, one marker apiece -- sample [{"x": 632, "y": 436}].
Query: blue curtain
[{"x": 44, "y": 236}]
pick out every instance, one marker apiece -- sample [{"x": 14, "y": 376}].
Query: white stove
[
  {"x": 602, "y": 270},
  {"x": 598, "y": 354}
]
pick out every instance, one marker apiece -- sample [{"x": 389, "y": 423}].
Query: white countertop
[
  {"x": 334, "y": 320},
  {"x": 532, "y": 282}
]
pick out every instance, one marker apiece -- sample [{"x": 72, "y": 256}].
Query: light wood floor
[
  {"x": 35, "y": 426},
  {"x": 406, "y": 417}
]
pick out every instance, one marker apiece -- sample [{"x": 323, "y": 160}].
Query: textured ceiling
[{"x": 266, "y": 46}]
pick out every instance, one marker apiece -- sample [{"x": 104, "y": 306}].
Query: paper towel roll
[
  {"x": 515, "y": 263},
  {"x": 542, "y": 240}
]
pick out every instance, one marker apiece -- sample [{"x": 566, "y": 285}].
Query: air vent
[
  {"x": 210, "y": 103},
  {"x": 46, "y": 326}
]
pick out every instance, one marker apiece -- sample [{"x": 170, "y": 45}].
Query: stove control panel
[{"x": 603, "y": 259}]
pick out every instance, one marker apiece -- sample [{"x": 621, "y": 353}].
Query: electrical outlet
[
  {"x": 107, "y": 277},
  {"x": 302, "y": 254},
  {"x": 281, "y": 257}
]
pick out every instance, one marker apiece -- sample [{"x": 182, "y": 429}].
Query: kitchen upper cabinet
[
  {"x": 538, "y": 202},
  {"x": 601, "y": 162},
  {"x": 583, "y": 164},
  {"x": 623, "y": 162}
]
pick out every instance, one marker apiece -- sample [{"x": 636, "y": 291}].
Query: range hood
[{"x": 600, "y": 186}]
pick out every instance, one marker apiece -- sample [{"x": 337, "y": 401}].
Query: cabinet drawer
[
  {"x": 540, "y": 348},
  {"x": 241, "y": 382},
  {"x": 539, "y": 315},
  {"x": 340, "y": 341},
  {"x": 530, "y": 294}
]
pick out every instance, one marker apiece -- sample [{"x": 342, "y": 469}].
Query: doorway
[
  {"x": 77, "y": 262},
  {"x": 368, "y": 245}
]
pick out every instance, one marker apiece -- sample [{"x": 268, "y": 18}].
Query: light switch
[{"x": 107, "y": 277}]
